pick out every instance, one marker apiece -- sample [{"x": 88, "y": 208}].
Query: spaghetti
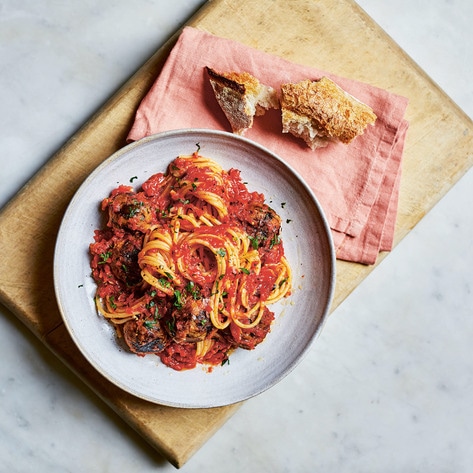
[{"x": 187, "y": 266}]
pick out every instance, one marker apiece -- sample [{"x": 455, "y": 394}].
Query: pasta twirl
[{"x": 187, "y": 266}]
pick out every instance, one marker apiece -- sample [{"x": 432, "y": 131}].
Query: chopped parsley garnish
[
  {"x": 104, "y": 257},
  {"x": 274, "y": 241},
  {"x": 164, "y": 282},
  {"x": 154, "y": 310},
  {"x": 254, "y": 242},
  {"x": 112, "y": 302},
  {"x": 171, "y": 324},
  {"x": 178, "y": 299},
  {"x": 193, "y": 290},
  {"x": 134, "y": 209}
]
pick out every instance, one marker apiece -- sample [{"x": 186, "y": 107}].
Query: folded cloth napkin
[{"x": 357, "y": 184}]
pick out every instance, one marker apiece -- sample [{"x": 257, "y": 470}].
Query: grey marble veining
[{"x": 388, "y": 386}]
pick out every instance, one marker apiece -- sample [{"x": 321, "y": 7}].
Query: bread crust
[
  {"x": 321, "y": 111},
  {"x": 241, "y": 96},
  {"x": 229, "y": 80}
]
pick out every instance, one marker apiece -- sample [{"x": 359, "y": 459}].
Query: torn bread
[
  {"x": 241, "y": 96},
  {"x": 320, "y": 112}
]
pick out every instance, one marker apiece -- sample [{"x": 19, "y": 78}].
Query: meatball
[
  {"x": 129, "y": 211},
  {"x": 262, "y": 223},
  {"x": 249, "y": 338},
  {"x": 144, "y": 336},
  {"x": 191, "y": 320},
  {"x": 124, "y": 260}
]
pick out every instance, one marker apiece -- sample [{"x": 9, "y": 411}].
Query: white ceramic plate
[{"x": 308, "y": 247}]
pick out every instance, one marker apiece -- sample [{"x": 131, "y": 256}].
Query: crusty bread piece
[
  {"x": 241, "y": 96},
  {"x": 321, "y": 111}
]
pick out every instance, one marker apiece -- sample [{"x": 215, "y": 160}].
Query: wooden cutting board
[{"x": 335, "y": 36}]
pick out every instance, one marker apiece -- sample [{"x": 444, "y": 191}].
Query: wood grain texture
[{"x": 336, "y": 36}]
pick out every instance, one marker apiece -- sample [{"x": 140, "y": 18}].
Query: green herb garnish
[
  {"x": 178, "y": 297},
  {"x": 104, "y": 257},
  {"x": 274, "y": 241},
  {"x": 112, "y": 302},
  {"x": 164, "y": 282},
  {"x": 254, "y": 242}
]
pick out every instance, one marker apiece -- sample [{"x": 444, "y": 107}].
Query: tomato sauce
[{"x": 171, "y": 316}]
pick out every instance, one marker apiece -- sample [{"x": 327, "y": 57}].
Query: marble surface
[{"x": 389, "y": 385}]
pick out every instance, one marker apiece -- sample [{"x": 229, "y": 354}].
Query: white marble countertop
[{"x": 389, "y": 385}]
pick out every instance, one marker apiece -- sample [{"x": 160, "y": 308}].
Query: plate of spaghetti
[{"x": 194, "y": 268}]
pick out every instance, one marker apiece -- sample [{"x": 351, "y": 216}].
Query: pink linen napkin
[{"x": 357, "y": 185}]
